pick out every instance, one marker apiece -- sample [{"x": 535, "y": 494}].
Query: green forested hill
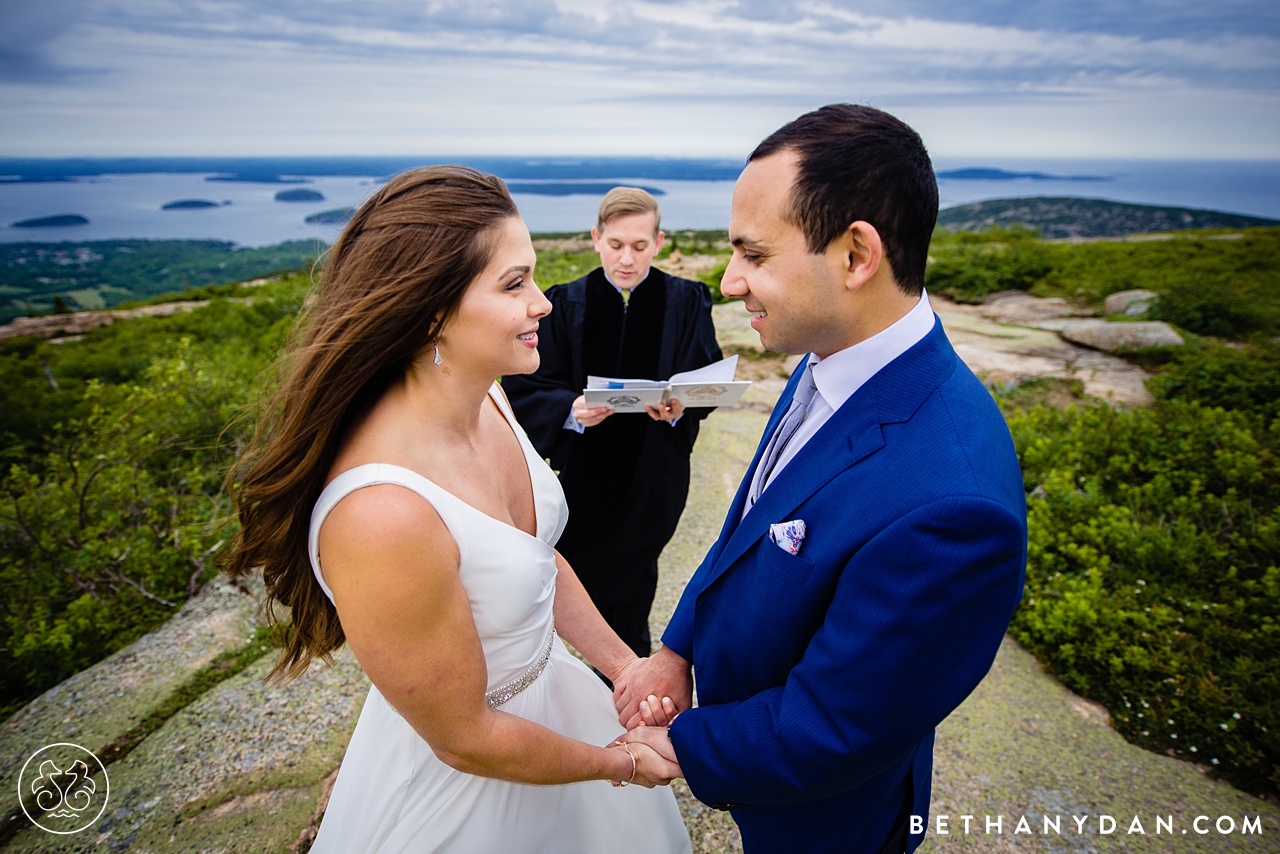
[
  {"x": 104, "y": 273},
  {"x": 1071, "y": 217}
]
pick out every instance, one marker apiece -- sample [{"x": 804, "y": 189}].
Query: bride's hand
[{"x": 651, "y": 769}]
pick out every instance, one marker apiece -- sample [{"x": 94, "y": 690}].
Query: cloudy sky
[{"x": 1009, "y": 78}]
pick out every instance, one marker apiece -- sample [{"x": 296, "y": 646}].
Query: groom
[{"x": 876, "y": 548}]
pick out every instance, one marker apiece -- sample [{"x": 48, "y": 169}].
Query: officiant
[{"x": 625, "y": 476}]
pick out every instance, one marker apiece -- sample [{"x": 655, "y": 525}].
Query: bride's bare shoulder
[{"x": 386, "y": 525}]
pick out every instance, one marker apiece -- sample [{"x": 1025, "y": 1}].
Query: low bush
[
  {"x": 1226, "y": 286},
  {"x": 118, "y": 528},
  {"x": 112, "y": 513},
  {"x": 968, "y": 267},
  {"x": 1152, "y": 583},
  {"x": 1245, "y": 379}
]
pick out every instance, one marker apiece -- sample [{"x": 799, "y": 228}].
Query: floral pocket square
[{"x": 788, "y": 536}]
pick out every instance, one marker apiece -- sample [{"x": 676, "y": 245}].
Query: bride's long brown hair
[{"x": 391, "y": 281}]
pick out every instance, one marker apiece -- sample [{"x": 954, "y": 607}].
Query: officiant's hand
[
  {"x": 589, "y": 416},
  {"x": 669, "y": 411},
  {"x": 665, "y": 676}
]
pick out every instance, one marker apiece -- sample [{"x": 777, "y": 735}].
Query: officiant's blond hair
[{"x": 621, "y": 201}]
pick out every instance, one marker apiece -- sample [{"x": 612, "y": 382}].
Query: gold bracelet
[{"x": 618, "y": 784}]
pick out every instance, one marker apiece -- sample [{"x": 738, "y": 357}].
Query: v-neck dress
[{"x": 394, "y": 795}]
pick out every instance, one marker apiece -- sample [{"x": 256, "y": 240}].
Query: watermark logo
[{"x": 63, "y": 788}]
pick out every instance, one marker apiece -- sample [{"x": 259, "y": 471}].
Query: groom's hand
[{"x": 663, "y": 675}]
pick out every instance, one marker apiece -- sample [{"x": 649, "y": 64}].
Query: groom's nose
[{"x": 733, "y": 283}]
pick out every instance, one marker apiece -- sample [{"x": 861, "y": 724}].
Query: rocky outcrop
[
  {"x": 1109, "y": 337},
  {"x": 100, "y": 705},
  {"x": 239, "y": 770},
  {"x": 1135, "y": 303},
  {"x": 567, "y": 245},
  {"x": 1009, "y": 354},
  {"x": 1021, "y": 307},
  {"x": 80, "y": 322},
  {"x": 1010, "y": 339},
  {"x": 692, "y": 266}
]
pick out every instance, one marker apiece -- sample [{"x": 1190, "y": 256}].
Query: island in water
[
  {"x": 300, "y": 195},
  {"x": 337, "y": 216},
  {"x": 188, "y": 204},
  {"x": 51, "y": 221},
  {"x": 980, "y": 174}
]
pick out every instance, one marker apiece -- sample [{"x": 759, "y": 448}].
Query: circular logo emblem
[
  {"x": 706, "y": 392},
  {"x": 63, "y": 788}
]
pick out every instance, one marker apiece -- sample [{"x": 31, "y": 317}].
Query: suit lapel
[
  {"x": 853, "y": 433},
  {"x": 744, "y": 487},
  {"x": 849, "y": 436}
]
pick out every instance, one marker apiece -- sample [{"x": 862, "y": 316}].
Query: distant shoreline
[{"x": 553, "y": 194}]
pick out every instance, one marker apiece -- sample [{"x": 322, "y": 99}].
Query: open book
[{"x": 711, "y": 386}]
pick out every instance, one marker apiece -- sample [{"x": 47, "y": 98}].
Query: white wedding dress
[{"x": 393, "y": 795}]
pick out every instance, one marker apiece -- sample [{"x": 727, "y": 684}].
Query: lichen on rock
[{"x": 99, "y": 705}]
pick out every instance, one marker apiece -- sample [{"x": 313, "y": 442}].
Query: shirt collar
[
  {"x": 633, "y": 287},
  {"x": 844, "y": 372}
]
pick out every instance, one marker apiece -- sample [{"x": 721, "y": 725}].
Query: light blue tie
[{"x": 790, "y": 424}]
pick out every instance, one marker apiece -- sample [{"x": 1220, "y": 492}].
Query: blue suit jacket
[{"x": 821, "y": 676}]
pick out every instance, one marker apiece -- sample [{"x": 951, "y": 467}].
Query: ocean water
[
  {"x": 129, "y": 205},
  {"x": 1242, "y": 187}
]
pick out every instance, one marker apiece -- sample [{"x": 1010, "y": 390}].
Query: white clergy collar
[
  {"x": 842, "y": 373},
  {"x": 633, "y": 287}
]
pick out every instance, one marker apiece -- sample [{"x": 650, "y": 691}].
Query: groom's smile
[{"x": 790, "y": 292}]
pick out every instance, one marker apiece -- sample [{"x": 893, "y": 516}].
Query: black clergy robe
[{"x": 626, "y": 479}]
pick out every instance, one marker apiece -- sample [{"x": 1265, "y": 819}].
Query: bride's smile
[{"x": 495, "y": 329}]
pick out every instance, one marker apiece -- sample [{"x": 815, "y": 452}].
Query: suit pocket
[
  {"x": 785, "y": 602},
  {"x": 775, "y": 559}
]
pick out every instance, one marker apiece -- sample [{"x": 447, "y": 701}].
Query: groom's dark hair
[{"x": 860, "y": 163}]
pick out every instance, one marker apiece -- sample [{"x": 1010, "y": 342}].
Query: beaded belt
[{"x": 506, "y": 691}]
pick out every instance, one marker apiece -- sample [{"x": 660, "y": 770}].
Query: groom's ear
[{"x": 862, "y": 253}]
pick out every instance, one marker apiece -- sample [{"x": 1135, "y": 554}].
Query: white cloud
[{"x": 629, "y": 76}]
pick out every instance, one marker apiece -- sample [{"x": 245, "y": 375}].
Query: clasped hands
[{"x": 649, "y": 693}]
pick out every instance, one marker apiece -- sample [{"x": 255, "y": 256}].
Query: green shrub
[
  {"x": 1211, "y": 308},
  {"x": 1246, "y": 379},
  {"x": 556, "y": 267},
  {"x": 967, "y": 267},
  {"x": 120, "y": 525},
  {"x": 1229, "y": 288},
  {"x": 1152, "y": 584},
  {"x": 1226, "y": 286},
  {"x": 115, "y": 448}
]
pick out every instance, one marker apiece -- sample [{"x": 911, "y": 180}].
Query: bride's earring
[{"x": 437, "y": 359}]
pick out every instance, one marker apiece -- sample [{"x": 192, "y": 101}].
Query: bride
[{"x": 395, "y": 505}]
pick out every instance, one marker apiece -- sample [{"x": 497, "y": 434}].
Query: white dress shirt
[{"x": 842, "y": 373}]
